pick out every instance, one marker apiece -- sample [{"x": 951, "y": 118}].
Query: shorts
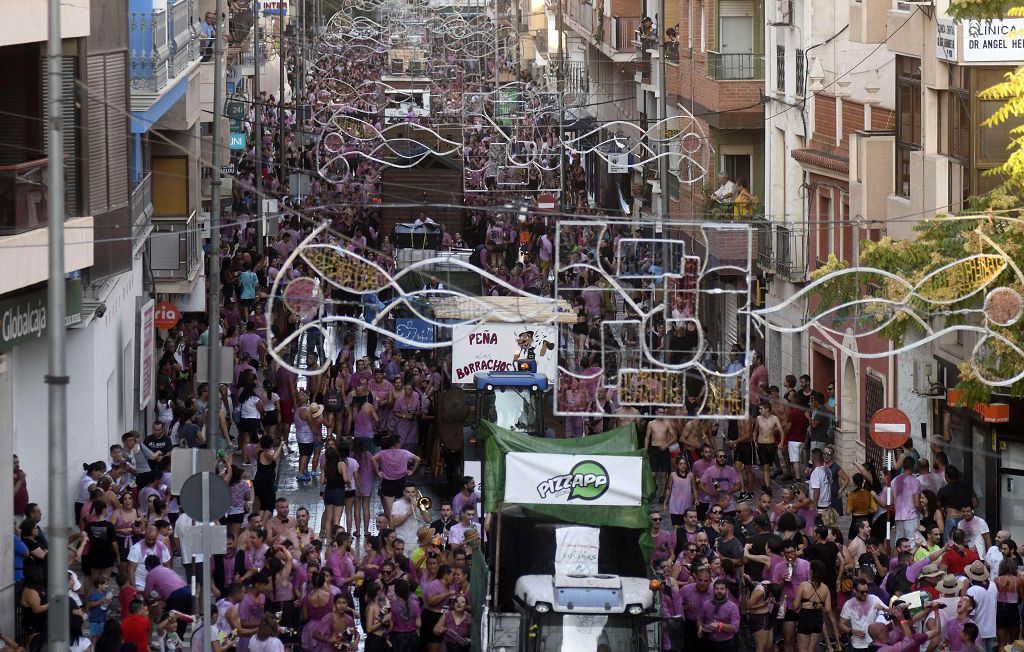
[
  {"x": 232, "y": 519},
  {"x": 660, "y": 459},
  {"x": 427, "y": 621},
  {"x": 760, "y": 622},
  {"x": 95, "y": 629},
  {"x": 1007, "y": 615},
  {"x": 252, "y": 425},
  {"x": 334, "y": 496},
  {"x": 809, "y": 621},
  {"x": 393, "y": 489},
  {"x": 287, "y": 407},
  {"x": 350, "y": 493},
  {"x": 791, "y": 616},
  {"x": 793, "y": 448},
  {"x": 745, "y": 453},
  {"x": 271, "y": 418},
  {"x": 766, "y": 454},
  {"x": 307, "y": 450},
  {"x": 247, "y": 303}
]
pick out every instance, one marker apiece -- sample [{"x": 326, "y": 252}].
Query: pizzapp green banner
[{"x": 498, "y": 442}]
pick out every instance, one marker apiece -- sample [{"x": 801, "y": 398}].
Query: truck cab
[
  {"x": 563, "y": 613},
  {"x": 512, "y": 399}
]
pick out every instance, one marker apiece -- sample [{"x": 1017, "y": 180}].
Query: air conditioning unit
[
  {"x": 924, "y": 376},
  {"x": 397, "y": 66},
  {"x": 783, "y": 12},
  {"x": 916, "y": 3}
]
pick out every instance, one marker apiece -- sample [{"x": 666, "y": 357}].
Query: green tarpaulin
[{"x": 497, "y": 442}]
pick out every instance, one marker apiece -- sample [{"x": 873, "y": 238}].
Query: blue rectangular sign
[
  {"x": 237, "y": 141},
  {"x": 417, "y": 330}
]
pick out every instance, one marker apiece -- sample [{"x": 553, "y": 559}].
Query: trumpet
[{"x": 423, "y": 502}]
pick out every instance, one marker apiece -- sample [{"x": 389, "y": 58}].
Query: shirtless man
[
  {"x": 301, "y": 535},
  {"x": 659, "y": 436},
  {"x": 255, "y": 524},
  {"x": 695, "y": 435},
  {"x": 743, "y": 457},
  {"x": 280, "y": 524},
  {"x": 780, "y": 408},
  {"x": 626, "y": 415},
  {"x": 768, "y": 427}
]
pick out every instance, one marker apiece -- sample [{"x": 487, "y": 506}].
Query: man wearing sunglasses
[
  {"x": 858, "y": 614},
  {"x": 721, "y": 479}
]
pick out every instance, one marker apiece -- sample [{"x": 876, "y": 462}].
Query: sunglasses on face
[
  {"x": 692, "y": 551},
  {"x": 716, "y": 511},
  {"x": 656, "y": 520}
]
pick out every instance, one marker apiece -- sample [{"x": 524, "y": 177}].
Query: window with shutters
[
  {"x": 69, "y": 131},
  {"x": 908, "y": 122},
  {"x": 107, "y": 109}
]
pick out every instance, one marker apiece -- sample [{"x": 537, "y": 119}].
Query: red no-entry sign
[
  {"x": 890, "y": 427},
  {"x": 546, "y": 202}
]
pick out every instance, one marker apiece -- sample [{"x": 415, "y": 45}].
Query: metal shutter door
[
  {"x": 117, "y": 128},
  {"x": 96, "y": 130}
]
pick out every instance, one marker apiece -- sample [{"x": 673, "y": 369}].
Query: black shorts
[
  {"x": 334, "y": 496},
  {"x": 1007, "y": 615},
  {"x": 809, "y": 621},
  {"x": 393, "y": 489},
  {"x": 660, "y": 459},
  {"x": 427, "y": 621},
  {"x": 307, "y": 449},
  {"x": 766, "y": 454},
  {"x": 745, "y": 453},
  {"x": 236, "y": 519},
  {"x": 760, "y": 622},
  {"x": 271, "y": 418},
  {"x": 791, "y": 616},
  {"x": 250, "y": 425}
]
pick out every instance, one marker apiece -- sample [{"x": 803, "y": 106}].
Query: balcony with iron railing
[
  {"x": 240, "y": 24},
  {"x": 735, "y": 66},
  {"x": 142, "y": 210},
  {"x": 620, "y": 33},
  {"x": 782, "y": 251},
  {"x": 23, "y": 197},
  {"x": 164, "y": 45},
  {"x": 177, "y": 255}
]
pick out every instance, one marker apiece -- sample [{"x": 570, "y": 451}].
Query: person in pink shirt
[
  {"x": 690, "y": 603},
  {"x": 790, "y": 576},
  {"x": 393, "y": 466},
  {"x": 906, "y": 496},
  {"x": 166, "y": 585}
]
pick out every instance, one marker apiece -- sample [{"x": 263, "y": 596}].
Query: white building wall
[{"x": 101, "y": 379}]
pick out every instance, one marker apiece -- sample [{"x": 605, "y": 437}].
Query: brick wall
[{"x": 882, "y": 119}]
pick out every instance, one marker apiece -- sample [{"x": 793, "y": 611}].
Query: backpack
[
  {"x": 333, "y": 401},
  {"x": 897, "y": 581}
]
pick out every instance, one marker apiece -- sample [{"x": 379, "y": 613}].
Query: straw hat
[
  {"x": 976, "y": 572},
  {"x": 424, "y": 535},
  {"x": 470, "y": 535},
  {"x": 1016, "y": 646},
  {"x": 932, "y": 570},
  {"x": 948, "y": 586},
  {"x": 315, "y": 410}
]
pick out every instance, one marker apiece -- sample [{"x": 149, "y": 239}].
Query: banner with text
[
  {"x": 494, "y": 347},
  {"x": 576, "y": 550},
  {"x": 548, "y": 479}
]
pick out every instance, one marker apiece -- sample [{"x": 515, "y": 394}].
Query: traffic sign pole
[{"x": 207, "y": 565}]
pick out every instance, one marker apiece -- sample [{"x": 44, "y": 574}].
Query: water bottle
[
  {"x": 782, "y": 610},
  {"x": 172, "y": 643}
]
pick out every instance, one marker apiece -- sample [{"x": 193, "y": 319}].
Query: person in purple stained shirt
[
  {"x": 405, "y": 619},
  {"x": 721, "y": 478},
  {"x": 166, "y": 585},
  {"x": 664, "y": 541},
  {"x": 790, "y": 576},
  {"x": 906, "y": 495},
  {"x": 392, "y": 465},
  {"x": 719, "y": 619},
  {"x": 691, "y": 600}
]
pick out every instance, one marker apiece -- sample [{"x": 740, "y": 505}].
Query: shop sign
[
  {"x": 945, "y": 40},
  {"x": 495, "y": 347},
  {"x": 415, "y": 330},
  {"x": 237, "y": 141},
  {"x": 23, "y": 317},
  {"x": 275, "y": 7},
  {"x": 994, "y": 41}
]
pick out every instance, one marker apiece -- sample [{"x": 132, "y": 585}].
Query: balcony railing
[
  {"x": 142, "y": 207},
  {"x": 147, "y": 41},
  {"x": 176, "y": 247},
  {"x": 23, "y": 197},
  {"x": 183, "y": 37},
  {"x": 781, "y": 250},
  {"x": 620, "y": 32},
  {"x": 735, "y": 66}
]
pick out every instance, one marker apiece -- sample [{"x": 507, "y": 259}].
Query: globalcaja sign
[
  {"x": 552, "y": 479},
  {"x": 23, "y": 317}
]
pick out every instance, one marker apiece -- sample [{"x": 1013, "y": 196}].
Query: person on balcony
[
  {"x": 726, "y": 190},
  {"x": 209, "y": 29}
]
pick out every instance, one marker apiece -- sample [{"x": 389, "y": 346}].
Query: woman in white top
[
  {"x": 251, "y": 410},
  {"x": 266, "y": 639},
  {"x": 90, "y": 476},
  {"x": 271, "y": 415}
]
